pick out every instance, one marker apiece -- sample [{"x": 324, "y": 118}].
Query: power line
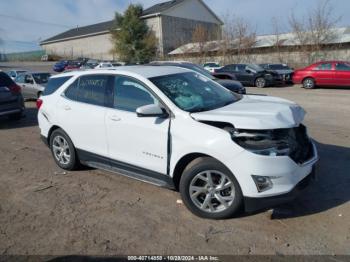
[{"x": 34, "y": 21}]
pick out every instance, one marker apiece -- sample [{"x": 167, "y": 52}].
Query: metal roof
[
  {"x": 341, "y": 36},
  {"x": 105, "y": 27}
]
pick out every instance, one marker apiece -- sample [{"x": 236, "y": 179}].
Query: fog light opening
[{"x": 263, "y": 183}]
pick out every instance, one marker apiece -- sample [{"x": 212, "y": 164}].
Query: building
[
  {"x": 281, "y": 48},
  {"x": 173, "y": 23}
]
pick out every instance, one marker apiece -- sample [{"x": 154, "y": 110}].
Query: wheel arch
[{"x": 184, "y": 161}]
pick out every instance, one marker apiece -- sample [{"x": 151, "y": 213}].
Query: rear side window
[
  {"x": 342, "y": 67},
  {"x": 89, "y": 89},
  {"x": 54, "y": 84},
  {"x": 324, "y": 67}
]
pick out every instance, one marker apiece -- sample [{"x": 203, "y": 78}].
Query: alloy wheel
[
  {"x": 61, "y": 150},
  {"x": 212, "y": 191}
]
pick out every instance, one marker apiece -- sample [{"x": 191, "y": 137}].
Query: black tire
[
  {"x": 309, "y": 83},
  {"x": 192, "y": 171},
  {"x": 260, "y": 82},
  {"x": 39, "y": 94},
  {"x": 73, "y": 162}
]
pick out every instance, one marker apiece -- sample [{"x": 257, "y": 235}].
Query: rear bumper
[
  {"x": 255, "y": 204},
  {"x": 12, "y": 107}
]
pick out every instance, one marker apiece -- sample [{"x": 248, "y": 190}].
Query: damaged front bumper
[{"x": 254, "y": 204}]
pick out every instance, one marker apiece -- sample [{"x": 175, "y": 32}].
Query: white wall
[{"x": 97, "y": 47}]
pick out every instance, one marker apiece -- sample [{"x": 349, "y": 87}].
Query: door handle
[
  {"x": 115, "y": 118},
  {"x": 67, "y": 108}
]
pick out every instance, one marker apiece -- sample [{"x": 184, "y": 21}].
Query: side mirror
[
  {"x": 248, "y": 71},
  {"x": 151, "y": 111}
]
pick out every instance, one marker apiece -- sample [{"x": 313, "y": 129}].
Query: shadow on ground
[
  {"x": 29, "y": 119},
  {"x": 330, "y": 190}
]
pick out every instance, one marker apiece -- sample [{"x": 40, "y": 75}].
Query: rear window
[
  {"x": 5, "y": 80},
  {"x": 54, "y": 84}
]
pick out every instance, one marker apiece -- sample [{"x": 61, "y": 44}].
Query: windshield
[
  {"x": 41, "y": 78},
  {"x": 211, "y": 65},
  {"x": 256, "y": 68},
  {"x": 279, "y": 67},
  {"x": 194, "y": 93}
]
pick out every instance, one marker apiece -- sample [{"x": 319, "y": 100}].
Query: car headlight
[{"x": 266, "y": 143}]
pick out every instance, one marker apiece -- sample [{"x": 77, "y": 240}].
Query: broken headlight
[{"x": 265, "y": 142}]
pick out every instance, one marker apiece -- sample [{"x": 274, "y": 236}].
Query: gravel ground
[{"x": 44, "y": 210}]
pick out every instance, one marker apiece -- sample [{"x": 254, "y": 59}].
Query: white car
[
  {"x": 174, "y": 127},
  {"x": 104, "y": 65},
  {"x": 211, "y": 66}
]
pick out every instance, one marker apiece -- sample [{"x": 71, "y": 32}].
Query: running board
[{"x": 125, "y": 169}]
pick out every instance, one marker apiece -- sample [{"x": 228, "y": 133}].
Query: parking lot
[{"x": 44, "y": 210}]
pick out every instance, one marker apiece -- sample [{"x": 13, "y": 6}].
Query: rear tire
[
  {"x": 210, "y": 190},
  {"x": 309, "y": 83},
  {"x": 260, "y": 82},
  {"x": 63, "y": 150},
  {"x": 39, "y": 94}
]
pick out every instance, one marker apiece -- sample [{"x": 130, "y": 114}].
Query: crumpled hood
[{"x": 257, "y": 113}]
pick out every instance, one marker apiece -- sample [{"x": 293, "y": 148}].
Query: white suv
[{"x": 176, "y": 128}]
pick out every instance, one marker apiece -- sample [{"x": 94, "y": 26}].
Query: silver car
[
  {"x": 16, "y": 72},
  {"x": 33, "y": 84}
]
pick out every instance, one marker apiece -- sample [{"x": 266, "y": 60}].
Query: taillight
[
  {"x": 39, "y": 103},
  {"x": 15, "y": 89}
]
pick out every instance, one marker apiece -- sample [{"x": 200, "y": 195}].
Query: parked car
[
  {"x": 283, "y": 70},
  {"x": 73, "y": 65},
  {"x": 252, "y": 75},
  {"x": 231, "y": 85},
  {"x": 60, "y": 66},
  {"x": 326, "y": 73},
  {"x": 104, "y": 65},
  {"x": 14, "y": 73},
  {"x": 11, "y": 99},
  {"x": 33, "y": 84},
  {"x": 220, "y": 149},
  {"x": 211, "y": 66}
]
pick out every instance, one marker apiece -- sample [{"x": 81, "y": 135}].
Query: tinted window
[
  {"x": 41, "y": 78},
  {"x": 129, "y": 94},
  {"x": 327, "y": 66},
  {"x": 54, "y": 84},
  {"x": 342, "y": 67},
  {"x": 89, "y": 89},
  {"x": 5, "y": 80},
  {"x": 230, "y": 67}
]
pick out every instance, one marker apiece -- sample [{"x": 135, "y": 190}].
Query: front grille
[{"x": 300, "y": 145}]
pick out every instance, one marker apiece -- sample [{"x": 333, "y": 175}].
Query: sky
[{"x": 24, "y": 23}]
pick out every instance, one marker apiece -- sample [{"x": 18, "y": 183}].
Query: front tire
[
  {"x": 260, "y": 82},
  {"x": 210, "y": 190},
  {"x": 309, "y": 83},
  {"x": 63, "y": 150}
]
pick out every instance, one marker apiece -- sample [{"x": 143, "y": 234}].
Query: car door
[
  {"x": 137, "y": 141},
  {"x": 20, "y": 80},
  {"x": 28, "y": 87},
  {"x": 81, "y": 112},
  {"x": 245, "y": 75},
  {"x": 324, "y": 74},
  {"x": 342, "y": 74}
]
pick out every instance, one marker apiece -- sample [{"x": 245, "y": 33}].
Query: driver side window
[{"x": 130, "y": 94}]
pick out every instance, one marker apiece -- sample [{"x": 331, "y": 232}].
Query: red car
[{"x": 326, "y": 73}]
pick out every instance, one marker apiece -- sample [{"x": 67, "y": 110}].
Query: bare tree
[
  {"x": 238, "y": 39},
  {"x": 315, "y": 30},
  {"x": 277, "y": 41}
]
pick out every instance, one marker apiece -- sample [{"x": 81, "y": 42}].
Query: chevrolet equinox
[{"x": 176, "y": 128}]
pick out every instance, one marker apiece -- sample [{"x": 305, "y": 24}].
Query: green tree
[{"x": 133, "y": 41}]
